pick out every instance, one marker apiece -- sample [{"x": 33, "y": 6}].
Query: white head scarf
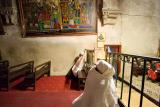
[
  {"x": 99, "y": 89},
  {"x": 105, "y": 68}
]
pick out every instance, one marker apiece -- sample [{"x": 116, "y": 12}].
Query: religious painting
[{"x": 58, "y": 16}]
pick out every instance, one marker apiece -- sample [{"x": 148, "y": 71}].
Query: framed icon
[{"x": 101, "y": 37}]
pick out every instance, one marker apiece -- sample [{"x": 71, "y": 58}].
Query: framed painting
[{"x": 57, "y": 17}]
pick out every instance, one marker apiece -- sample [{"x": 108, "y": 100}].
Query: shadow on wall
[
  {"x": 99, "y": 10},
  {"x": 19, "y": 51}
]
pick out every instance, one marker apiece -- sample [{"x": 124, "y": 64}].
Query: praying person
[
  {"x": 79, "y": 63},
  {"x": 99, "y": 89}
]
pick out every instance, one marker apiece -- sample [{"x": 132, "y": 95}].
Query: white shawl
[
  {"x": 99, "y": 88},
  {"x": 78, "y": 65}
]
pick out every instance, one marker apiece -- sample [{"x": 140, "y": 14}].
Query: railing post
[
  {"x": 114, "y": 63},
  {"x": 130, "y": 85},
  {"x": 122, "y": 76},
  {"x": 143, "y": 80}
]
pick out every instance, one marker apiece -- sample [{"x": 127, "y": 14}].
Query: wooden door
[{"x": 113, "y": 48}]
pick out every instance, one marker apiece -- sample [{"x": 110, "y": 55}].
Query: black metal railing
[{"x": 119, "y": 60}]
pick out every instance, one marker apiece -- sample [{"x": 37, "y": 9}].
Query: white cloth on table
[{"x": 99, "y": 89}]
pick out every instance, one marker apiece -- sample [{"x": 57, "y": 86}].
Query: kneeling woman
[{"x": 99, "y": 89}]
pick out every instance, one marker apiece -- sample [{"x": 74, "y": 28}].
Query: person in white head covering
[
  {"x": 99, "y": 88},
  {"x": 79, "y": 63}
]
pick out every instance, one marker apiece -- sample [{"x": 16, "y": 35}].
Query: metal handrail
[{"x": 113, "y": 59}]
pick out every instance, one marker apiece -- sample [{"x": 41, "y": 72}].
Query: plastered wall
[
  {"x": 140, "y": 26},
  {"x": 60, "y": 50},
  {"x": 137, "y": 29}
]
